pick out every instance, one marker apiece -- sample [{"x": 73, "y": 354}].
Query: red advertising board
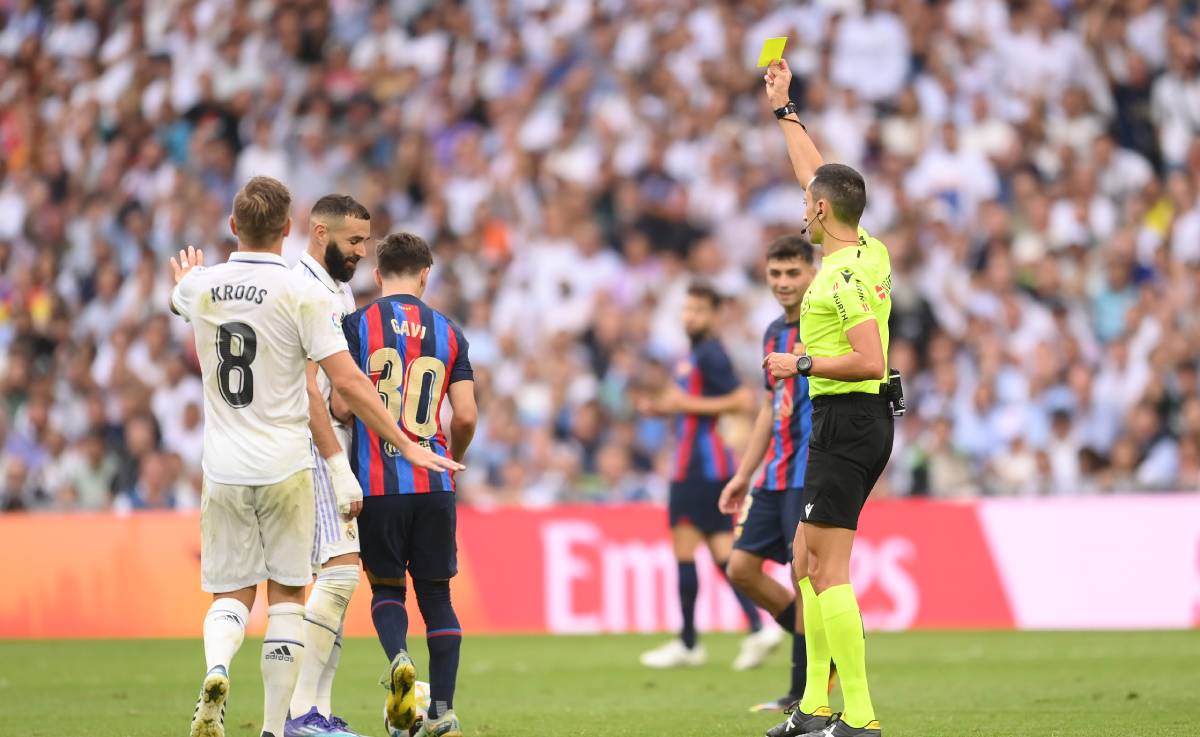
[{"x": 917, "y": 564}]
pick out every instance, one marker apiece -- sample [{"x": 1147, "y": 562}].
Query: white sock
[
  {"x": 325, "y": 686},
  {"x": 282, "y": 655},
  {"x": 224, "y": 630},
  {"x": 323, "y": 617}
]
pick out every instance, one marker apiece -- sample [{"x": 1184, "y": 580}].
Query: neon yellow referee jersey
[{"x": 854, "y": 285}]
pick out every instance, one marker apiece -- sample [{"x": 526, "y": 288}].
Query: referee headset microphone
[{"x": 820, "y": 218}]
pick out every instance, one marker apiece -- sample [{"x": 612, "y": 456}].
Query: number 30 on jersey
[{"x": 408, "y": 392}]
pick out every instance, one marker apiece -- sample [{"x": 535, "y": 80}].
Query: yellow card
[{"x": 772, "y": 50}]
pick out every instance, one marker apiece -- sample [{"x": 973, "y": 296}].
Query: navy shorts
[
  {"x": 409, "y": 532},
  {"x": 768, "y": 523},
  {"x": 695, "y": 503}
]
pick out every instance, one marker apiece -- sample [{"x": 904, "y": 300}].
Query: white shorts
[
  {"x": 332, "y": 535},
  {"x": 250, "y": 534}
]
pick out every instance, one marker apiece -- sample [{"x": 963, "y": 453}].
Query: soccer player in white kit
[
  {"x": 339, "y": 229},
  {"x": 257, "y": 324}
]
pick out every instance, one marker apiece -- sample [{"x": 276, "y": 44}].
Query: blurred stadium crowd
[{"x": 1034, "y": 167}]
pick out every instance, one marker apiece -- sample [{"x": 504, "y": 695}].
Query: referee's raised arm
[
  {"x": 844, "y": 329},
  {"x": 801, "y": 149}
]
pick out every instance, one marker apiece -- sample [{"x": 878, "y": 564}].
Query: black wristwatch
[
  {"x": 788, "y": 109},
  {"x": 804, "y": 364}
]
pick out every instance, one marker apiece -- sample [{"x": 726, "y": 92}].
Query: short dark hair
[
  {"x": 705, "y": 291},
  {"x": 260, "y": 211},
  {"x": 340, "y": 206},
  {"x": 401, "y": 254},
  {"x": 790, "y": 247},
  {"x": 845, "y": 189}
]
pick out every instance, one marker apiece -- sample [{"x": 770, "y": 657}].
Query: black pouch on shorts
[{"x": 895, "y": 393}]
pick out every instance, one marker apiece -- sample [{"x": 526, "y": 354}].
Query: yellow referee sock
[
  {"x": 816, "y": 686},
  {"x": 844, "y": 630}
]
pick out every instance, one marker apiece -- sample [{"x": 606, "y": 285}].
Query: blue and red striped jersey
[
  {"x": 700, "y": 453},
  {"x": 413, "y": 353},
  {"x": 787, "y": 455}
]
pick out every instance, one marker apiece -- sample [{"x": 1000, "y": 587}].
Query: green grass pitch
[{"x": 925, "y": 684}]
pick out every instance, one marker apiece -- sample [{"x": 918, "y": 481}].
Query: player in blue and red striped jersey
[
  {"x": 705, "y": 388},
  {"x": 417, "y": 357},
  {"x": 779, "y": 442}
]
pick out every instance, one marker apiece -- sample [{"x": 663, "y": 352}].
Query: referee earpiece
[{"x": 807, "y": 225}]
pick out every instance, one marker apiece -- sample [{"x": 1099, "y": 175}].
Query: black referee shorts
[{"x": 849, "y": 447}]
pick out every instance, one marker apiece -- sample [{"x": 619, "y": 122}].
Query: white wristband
[
  {"x": 338, "y": 463},
  {"x": 345, "y": 485}
]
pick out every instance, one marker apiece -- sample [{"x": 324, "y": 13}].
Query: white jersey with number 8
[{"x": 256, "y": 323}]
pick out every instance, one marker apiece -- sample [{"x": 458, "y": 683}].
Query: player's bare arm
[
  {"x": 465, "y": 417},
  {"x": 338, "y": 407},
  {"x": 363, "y": 400},
  {"x": 345, "y": 486},
  {"x": 801, "y": 150},
  {"x": 318, "y": 417},
  {"x": 674, "y": 401},
  {"x": 735, "y": 491},
  {"x": 862, "y": 363}
]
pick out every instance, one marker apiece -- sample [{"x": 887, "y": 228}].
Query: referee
[{"x": 844, "y": 326}]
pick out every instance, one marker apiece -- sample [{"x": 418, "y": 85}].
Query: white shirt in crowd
[{"x": 870, "y": 55}]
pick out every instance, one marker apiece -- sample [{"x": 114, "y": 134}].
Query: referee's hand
[
  {"x": 778, "y": 80},
  {"x": 781, "y": 365}
]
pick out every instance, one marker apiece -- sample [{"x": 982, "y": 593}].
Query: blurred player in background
[
  {"x": 770, "y": 516},
  {"x": 257, "y": 325},
  {"x": 339, "y": 229},
  {"x": 707, "y": 387},
  {"x": 416, "y": 357},
  {"x": 844, "y": 318}
]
